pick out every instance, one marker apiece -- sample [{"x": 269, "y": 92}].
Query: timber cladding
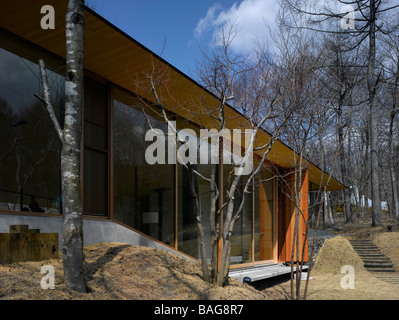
[{"x": 24, "y": 244}]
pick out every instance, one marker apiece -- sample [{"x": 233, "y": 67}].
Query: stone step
[
  {"x": 374, "y": 261},
  {"x": 365, "y": 253},
  {"x": 380, "y": 270},
  {"x": 364, "y": 246},
  {"x": 370, "y": 243},
  {"x": 378, "y": 265},
  {"x": 377, "y": 261},
  {"x": 389, "y": 278}
]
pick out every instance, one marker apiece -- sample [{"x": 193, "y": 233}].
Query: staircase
[{"x": 375, "y": 261}]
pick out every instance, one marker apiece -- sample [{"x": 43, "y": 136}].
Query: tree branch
[{"x": 47, "y": 101}]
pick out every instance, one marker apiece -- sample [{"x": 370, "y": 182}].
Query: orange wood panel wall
[{"x": 287, "y": 217}]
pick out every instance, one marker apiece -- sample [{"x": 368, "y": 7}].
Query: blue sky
[{"x": 184, "y": 24}]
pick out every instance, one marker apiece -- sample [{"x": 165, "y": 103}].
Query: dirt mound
[
  {"x": 336, "y": 253},
  {"x": 132, "y": 272},
  {"x": 121, "y": 271}
]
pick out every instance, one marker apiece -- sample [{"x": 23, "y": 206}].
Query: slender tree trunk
[
  {"x": 392, "y": 173},
  {"x": 367, "y": 192},
  {"x": 345, "y": 193},
  {"x": 372, "y": 87},
  {"x": 384, "y": 188},
  {"x": 70, "y": 155},
  {"x": 329, "y": 209},
  {"x": 214, "y": 223},
  {"x": 198, "y": 215},
  {"x": 228, "y": 227},
  {"x": 394, "y": 183}
]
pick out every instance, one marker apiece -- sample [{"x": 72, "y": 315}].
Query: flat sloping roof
[{"x": 117, "y": 57}]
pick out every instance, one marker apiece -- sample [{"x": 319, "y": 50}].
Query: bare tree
[
  {"x": 235, "y": 80},
  {"x": 366, "y": 28},
  {"x": 306, "y": 80},
  {"x": 390, "y": 63},
  {"x": 70, "y": 137}
]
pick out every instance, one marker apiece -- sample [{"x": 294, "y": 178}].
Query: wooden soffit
[{"x": 117, "y": 57}]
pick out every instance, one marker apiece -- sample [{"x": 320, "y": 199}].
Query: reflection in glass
[
  {"x": 29, "y": 147},
  {"x": 143, "y": 193},
  {"x": 95, "y": 152},
  {"x": 241, "y": 240},
  {"x": 187, "y": 226}
]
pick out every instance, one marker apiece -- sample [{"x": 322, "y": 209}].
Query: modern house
[{"x": 125, "y": 199}]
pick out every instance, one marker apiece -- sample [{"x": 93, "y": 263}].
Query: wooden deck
[{"x": 262, "y": 272}]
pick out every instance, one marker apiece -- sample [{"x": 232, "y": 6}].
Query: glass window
[
  {"x": 241, "y": 240},
  {"x": 29, "y": 146},
  {"x": 95, "y": 148},
  {"x": 187, "y": 226},
  {"x": 143, "y": 192}
]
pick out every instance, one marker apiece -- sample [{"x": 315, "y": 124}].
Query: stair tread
[
  {"x": 368, "y": 266},
  {"x": 374, "y": 261},
  {"x": 380, "y": 270},
  {"x": 365, "y": 247}
]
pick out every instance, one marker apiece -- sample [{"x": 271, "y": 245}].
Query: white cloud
[
  {"x": 250, "y": 16},
  {"x": 207, "y": 22}
]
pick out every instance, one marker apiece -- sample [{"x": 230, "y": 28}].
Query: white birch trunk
[{"x": 72, "y": 248}]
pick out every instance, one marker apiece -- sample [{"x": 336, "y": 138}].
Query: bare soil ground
[{"x": 117, "y": 271}]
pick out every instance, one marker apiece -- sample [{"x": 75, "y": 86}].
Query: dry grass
[
  {"x": 336, "y": 253},
  {"x": 116, "y": 271},
  {"x": 327, "y": 276},
  {"x": 388, "y": 243}
]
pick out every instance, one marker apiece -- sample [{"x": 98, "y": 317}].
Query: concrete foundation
[{"x": 94, "y": 231}]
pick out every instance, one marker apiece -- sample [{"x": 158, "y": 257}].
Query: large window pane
[
  {"x": 29, "y": 146},
  {"x": 241, "y": 240},
  {"x": 95, "y": 129},
  {"x": 143, "y": 193},
  {"x": 187, "y": 226}
]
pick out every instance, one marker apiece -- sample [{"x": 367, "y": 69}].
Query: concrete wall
[{"x": 94, "y": 231}]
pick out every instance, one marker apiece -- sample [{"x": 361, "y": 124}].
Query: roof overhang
[{"x": 117, "y": 57}]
